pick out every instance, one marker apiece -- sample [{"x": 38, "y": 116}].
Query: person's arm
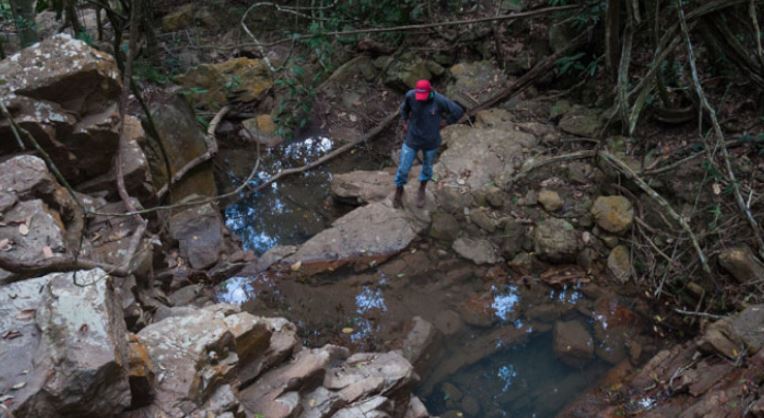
[
  {"x": 450, "y": 107},
  {"x": 405, "y": 113}
]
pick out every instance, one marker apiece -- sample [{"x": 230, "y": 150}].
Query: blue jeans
[{"x": 408, "y": 155}]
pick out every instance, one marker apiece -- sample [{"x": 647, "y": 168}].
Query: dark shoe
[
  {"x": 420, "y": 195},
  {"x": 398, "y": 199}
]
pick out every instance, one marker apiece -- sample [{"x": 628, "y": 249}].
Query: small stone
[
  {"x": 556, "y": 240},
  {"x": 478, "y": 251},
  {"x": 742, "y": 264},
  {"x": 613, "y": 213},
  {"x": 550, "y": 200},
  {"x": 482, "y": 218},
  {"x": 619, "y": 264},
  {"x": 573, "y": 344}
]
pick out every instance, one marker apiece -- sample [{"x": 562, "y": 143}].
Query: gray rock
[
  {"x": 473, "y": 79},
  {"x": 556, "y": 240},
  {"x": 729, "y": 336},
  {"x": 360, "y": 187},
  {"x": 514, "y": 235},
  {"x": 478, "y": 251},
  {"x": 174, "y": 344},
  {"x": 494, "y": 118},
  {"x": 742, "y": 264},
  {"x": 444, "y": 226},
  {"x": 199, "y": 232},
  {"x": 375, "y": 407},
  {"x": 419, "y": 343},
  {"x": 573, "y": 344},
  {"x": 481, "y": 158},
  {"x": 282, "y": 342},
  {"x": 581, "y": 122},
  {"x": 483, "y": 219},
  {"x": 371, "y": 233},
  {"x": 365, "y": 374},
  {"x": 70, "y": 352}
]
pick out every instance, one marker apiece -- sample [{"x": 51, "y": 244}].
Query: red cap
[{"x": 423, "y": 89}]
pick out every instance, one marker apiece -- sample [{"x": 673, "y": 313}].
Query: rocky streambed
[{"x": 509, "y": 294}]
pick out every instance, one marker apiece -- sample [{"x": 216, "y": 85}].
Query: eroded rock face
[
  {"x": 70, "y": 354},
  {"x": 473, "y": 79}
]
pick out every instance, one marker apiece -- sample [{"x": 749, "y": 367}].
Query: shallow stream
[{"x": 494, "y": 356}]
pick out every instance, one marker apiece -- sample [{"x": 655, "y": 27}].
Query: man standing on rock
[{"x": 421, "y": 112}]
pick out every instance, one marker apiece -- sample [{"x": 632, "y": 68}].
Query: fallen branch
[
  {"x": 212, "y": 149},
  {"x": 539, "y": 70},
  {"x": 341, "y": 150},
  {"x": 660, "y": 200},
  {"x": 404, "y": 28},
  {"x": 532, "y": 164},
  {"x": 720, "y": 142}
]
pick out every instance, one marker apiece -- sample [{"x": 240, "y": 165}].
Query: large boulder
[
  {"x": 556, "y": 240},
  {"x": 613, "y": 213},
  {"x": 240, "y": 79},
  {"x": 573, "y": 344},
  {"x": 64, "y": 347},
  {"x": 63, "y": 92},
  {"x": 65, "y": 71},
  {"x": 742, "y": 264},
  {"x": 184, "y": 142},
  {"x": 135, "y": 168},
  {"x": 478, "y": 158},
  {"x": 369, "y": 234}
]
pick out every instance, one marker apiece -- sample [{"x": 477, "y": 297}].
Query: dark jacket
[{"x": 424, "y": 119}]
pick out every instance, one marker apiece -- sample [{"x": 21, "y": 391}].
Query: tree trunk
[
  {"x": 71, "y": 16},
  {"x": 23, "y": 16}
]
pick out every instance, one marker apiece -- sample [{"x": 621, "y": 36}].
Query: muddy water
[{"x": 494, "y": 354}]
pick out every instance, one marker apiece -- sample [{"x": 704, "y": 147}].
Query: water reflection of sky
[
  {"x": 568, "y": 294},
  {"x": 505, "y": 299},
  {"x": 236, "y": 290},
  {"x": 241, "y": 289},
  {"x": 283, "y": 214},
  {"x": 507, "y": 375}
]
